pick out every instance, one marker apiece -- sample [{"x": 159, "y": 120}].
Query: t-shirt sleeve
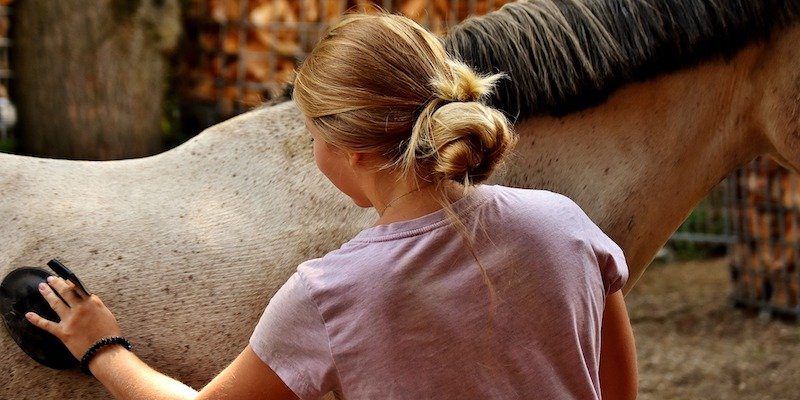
[
  {"x": 291, "y": 338},
  {"x": 611, "y": 259},
  {"x": 613, "y": 266}
]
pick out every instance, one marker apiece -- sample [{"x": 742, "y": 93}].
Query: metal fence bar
[
  {"x": 243, "y": 55},
  {"x": 5, "y": 71},
  {"x": 699, "y": 237},
  {"x": 219, "y": 81}
]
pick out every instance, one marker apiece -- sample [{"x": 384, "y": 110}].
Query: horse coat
[{"x": 186, "y": 247}]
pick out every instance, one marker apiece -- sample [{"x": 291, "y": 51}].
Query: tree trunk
[{"x": 90, "y": 76}]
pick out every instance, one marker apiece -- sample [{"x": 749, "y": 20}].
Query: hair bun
[
  {"x": 457, "y": 136},
  {"x": 463, "y": 84},
  {"x": 470, "y": 139}
]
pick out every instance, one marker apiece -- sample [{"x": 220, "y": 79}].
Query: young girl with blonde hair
[{"x": 459, "y": 290}]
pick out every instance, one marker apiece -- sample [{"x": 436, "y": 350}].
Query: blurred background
[{"x": 715, "y": 316}]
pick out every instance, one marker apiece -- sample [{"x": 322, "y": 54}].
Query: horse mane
[{"x": 562, "y": 56}]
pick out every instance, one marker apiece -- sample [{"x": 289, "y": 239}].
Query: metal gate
[
  {"x": 765, "y": 267},
  {"x": 755, "y": 214}
]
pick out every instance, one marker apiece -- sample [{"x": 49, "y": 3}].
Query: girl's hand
[{"x": 84, "y": 319}]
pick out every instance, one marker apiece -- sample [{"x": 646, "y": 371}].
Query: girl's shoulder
[
  {"x": 531, "y": 194},
  {"x": 540, "y": 206}
]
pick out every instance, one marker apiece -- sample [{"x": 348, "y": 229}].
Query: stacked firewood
[
  {"x": 245, "y": 50},
  {"x": 765, "y": 262}
]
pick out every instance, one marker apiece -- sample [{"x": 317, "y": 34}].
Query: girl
[{"x": 459, "y": 290}]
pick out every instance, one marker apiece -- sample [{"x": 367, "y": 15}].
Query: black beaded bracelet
[{"x": 97, "y": 345}]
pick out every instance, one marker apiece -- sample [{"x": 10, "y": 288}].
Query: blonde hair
[{"x": 381, "y": 83}]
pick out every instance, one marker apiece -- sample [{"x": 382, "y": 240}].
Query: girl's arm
[
  {"x": 85, "y": 319},
  {"x": 618, "y": 370},
  {"x": 128, "y": 377}
]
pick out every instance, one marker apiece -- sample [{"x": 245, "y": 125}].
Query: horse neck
[{"x": 640, "y": 162}]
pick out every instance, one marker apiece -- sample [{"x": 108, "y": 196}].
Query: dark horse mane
[{"x": 566, "y": 55}]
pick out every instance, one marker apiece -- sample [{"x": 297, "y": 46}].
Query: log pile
[
  {"x": 764, "y": 262},
  {"x": 239, "y": 53}
]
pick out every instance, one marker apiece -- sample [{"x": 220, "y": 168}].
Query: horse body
[{"x": 187, "y": 247}]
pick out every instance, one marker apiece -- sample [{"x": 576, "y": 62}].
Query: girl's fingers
[
  {"x": 39, "y": 322},
  {"x": 53, "y": 300},
  {"x": 64, "y": 289}
]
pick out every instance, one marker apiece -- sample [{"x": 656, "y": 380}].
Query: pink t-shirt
[{"x": 401, "y": 310}]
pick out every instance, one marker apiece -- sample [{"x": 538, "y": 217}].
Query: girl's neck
[{"x": 417, "y": 203}]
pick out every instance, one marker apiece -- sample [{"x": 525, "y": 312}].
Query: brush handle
[{"x": 64, "y": 272}]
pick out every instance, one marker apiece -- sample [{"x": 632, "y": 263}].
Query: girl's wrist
[
  {"x": 98, "y": 345},
  {"x": 109, "y": 358}
]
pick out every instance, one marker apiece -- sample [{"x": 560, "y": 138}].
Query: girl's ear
[{"x": 355, "y": 159}]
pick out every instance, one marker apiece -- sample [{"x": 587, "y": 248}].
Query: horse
[{"x": 633, "y": 109}]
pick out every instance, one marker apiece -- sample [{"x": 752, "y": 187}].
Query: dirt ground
[{"x": 692, "y": 344}]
